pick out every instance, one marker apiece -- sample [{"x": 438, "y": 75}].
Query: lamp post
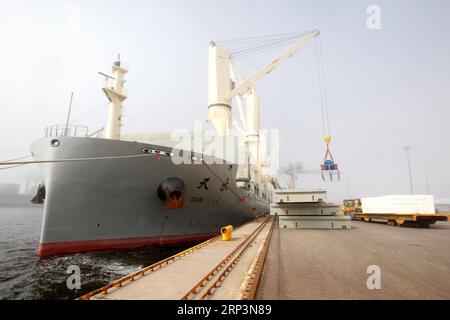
[
  {"x": 349, "y": 190},
  {"x": 427, "y": 183},
  {"x": 409, "y": 169}
]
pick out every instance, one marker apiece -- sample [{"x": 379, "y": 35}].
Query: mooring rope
[
  {"x": 18, "y": 158},
  {"x": 13, "y": 164},
  {"x": 80, "y": 159}
]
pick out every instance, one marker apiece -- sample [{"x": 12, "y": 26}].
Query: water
[{"x": 24, "y": 276}]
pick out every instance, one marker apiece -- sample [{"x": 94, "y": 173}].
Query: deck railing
[{"x": 63, "y": 131}]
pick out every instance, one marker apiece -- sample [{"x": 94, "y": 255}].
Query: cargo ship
[
  {"x": 108, "y": 190},
  {"x": 115, "y": 193}
]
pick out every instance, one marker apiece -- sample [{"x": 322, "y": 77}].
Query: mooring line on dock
[{"x": 240, "y": 249}]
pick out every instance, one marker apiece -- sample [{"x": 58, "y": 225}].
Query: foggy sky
[{"x": 387, "y": 88}]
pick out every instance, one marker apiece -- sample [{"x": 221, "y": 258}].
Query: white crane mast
[
  {"x": 220, "y": 83},
  {"x": 222, "y": 90},
  {"x": 252, "y": 134}
]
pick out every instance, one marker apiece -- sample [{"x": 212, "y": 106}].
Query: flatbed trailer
[{"x": 421, "y": 220}]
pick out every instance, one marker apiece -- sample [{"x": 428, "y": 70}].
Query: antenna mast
[{"x": 68, "y": 114}]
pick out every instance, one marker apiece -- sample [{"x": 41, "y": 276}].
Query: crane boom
[{"x": 249, "y": 82}]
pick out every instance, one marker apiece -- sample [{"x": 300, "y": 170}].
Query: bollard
[{"x": 226, "y": 232}]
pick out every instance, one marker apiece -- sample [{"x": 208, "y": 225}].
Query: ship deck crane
[
  {"x": 250, "y": 81},
  {"x": 222, "y": 89},
  {"x": 225, "y": 84}
]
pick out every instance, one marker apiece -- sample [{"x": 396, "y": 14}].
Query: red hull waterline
[{"x": 55, "y": 248}]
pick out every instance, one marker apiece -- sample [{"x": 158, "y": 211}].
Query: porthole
[{"x": 54, "y": 143}]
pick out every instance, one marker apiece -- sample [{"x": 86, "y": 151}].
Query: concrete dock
[
  {"x": 190, "y": 276},
  {"x": 331, "y": 264},
  {"x": 301, "y": 264}
]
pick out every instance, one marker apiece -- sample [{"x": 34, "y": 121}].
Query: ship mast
[{"x": 116, "y": 94}]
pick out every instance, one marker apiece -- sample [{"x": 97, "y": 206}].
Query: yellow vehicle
[{"x": 351, "y": 206}]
